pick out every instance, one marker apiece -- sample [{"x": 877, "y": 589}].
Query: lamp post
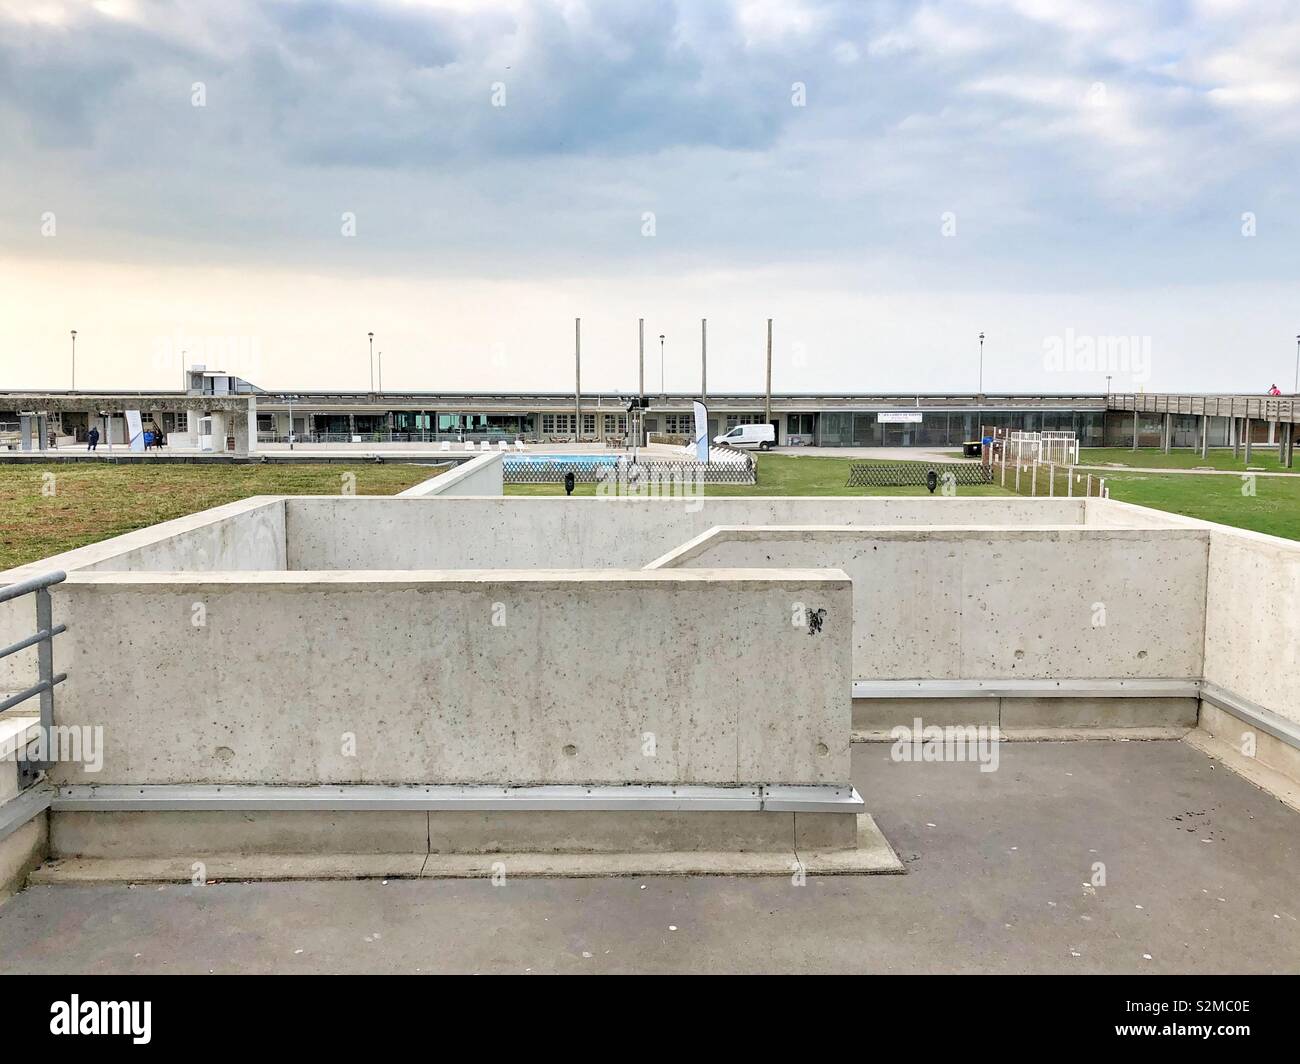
[
  {"x": 1297, "y": 365},
  {"x": 372, "y": 360},
  {"x": 663, "y": 395},
  {"x": 289, "y": 399},
  {"x": 981, "y": 391},
  {"x": 381, "y": 373},
  {"x": 74, "y": 359}
]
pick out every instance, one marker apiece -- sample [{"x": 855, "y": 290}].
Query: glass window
[{"x": 836, "y": 430}]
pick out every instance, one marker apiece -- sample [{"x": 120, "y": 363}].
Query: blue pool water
[{"x": 583, "y": 460}]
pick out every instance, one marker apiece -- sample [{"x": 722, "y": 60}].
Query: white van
[{"x": 760, "y": 436}]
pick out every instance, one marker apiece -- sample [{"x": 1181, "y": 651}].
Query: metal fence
[
  {"x": 1049, "y": 480},
  {"x": 391, "y": 437},
  {"x": 914, "y": 474},
  {"x": 18, "y": 811},
  {"x": 626, "y": 474}
]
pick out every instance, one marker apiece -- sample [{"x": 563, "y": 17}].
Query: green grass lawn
[
  {"x": 1273, "y": 508},
  {"x": 91, "y": 502},
  {"x": 1153, "y": 458},
  {"x": 781, "y": 475}
]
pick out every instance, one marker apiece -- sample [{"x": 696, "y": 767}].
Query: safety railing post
[
  {"x": 43, "y": 640},
  {"x": 45, "y": 666}
]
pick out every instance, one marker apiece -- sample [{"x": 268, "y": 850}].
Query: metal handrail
[{"x": 43, "y": 640}]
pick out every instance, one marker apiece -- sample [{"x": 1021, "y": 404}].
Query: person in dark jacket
[{"x": 92, "y": 438}]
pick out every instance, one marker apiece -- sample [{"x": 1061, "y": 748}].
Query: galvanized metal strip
[
  {"x": 182, "y": 797},
  {"x": 1264, "y": 719},
  {"x": 22, "y": 808},
  {"x": 1025, "y": 688},
  {"x": 808, "y": 799}
]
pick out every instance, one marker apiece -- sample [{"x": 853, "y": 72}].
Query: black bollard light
[
  {"x": 570, "y": 480},
  {"x": 932, "y": 480}
]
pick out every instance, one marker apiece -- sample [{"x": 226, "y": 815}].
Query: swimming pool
[{"x": 584, "y": 461}]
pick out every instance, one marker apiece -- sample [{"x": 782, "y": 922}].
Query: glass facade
[{"x": 942, "y": 428}]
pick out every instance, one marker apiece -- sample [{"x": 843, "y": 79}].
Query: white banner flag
[
  {"x": 701, "y": 431},
  {"x": 135, "y": 430}
]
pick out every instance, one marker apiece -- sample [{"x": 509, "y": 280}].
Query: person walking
[{"x": 92, "y": 438}]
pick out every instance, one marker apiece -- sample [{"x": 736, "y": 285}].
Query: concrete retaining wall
[
  {"x": 458, "y": 678},
  {"x": 596, "y": 533},
  {"x": 483, "y": 475},
  {"x": 998, "y": 603},
  {"x": 244, "y": 535},
  {"x": 1252, "y": 634}
]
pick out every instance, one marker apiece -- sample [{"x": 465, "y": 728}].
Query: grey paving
[{"x": 1201, "y": 875}]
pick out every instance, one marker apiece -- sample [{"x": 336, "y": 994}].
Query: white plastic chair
[{"x": 446, "y": 445}]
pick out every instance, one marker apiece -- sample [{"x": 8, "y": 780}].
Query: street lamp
[
  {"x": 1297, "y": 365},
  {"x": 290, "y": 400},
  {"x": 1108, "y": 388},
  {"x": 381, "y": 373},
  {"x": 981, "y": 391},
  {"x": 372, "y": 360},
  {"x": 74, "y": 359},
  {"x": 663, "y": 395}
]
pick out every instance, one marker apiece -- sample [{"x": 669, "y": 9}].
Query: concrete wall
[
  {"x": 563, "y": 688},
  {"x": 998, "y": 603},
  {"x": 1110, "y": 513},
  {"x": 1252, "y": 633},
  {"x": 483, "y": 475},
  {"x": 244, "y": 535},
  {"x": 596, "y": 532}
]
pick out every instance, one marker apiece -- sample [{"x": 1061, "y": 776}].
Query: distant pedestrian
[
  {"x": 92, "y": 439},
  {"x": 1275, "y": 390}
]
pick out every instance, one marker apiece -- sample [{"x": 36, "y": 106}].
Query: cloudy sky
[{"x": 259, "y": 184}]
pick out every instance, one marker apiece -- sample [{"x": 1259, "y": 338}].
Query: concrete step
[{"x": 872, "y": 855}]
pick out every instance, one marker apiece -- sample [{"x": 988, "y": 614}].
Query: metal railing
[
  {"x": 397, "y": 437},
  {"x": 1039, "y": 479},
  {"x": 47, "y": 679},
  {"x": 1285, "y": 408}
]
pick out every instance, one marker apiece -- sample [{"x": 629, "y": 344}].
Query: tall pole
[
  {"x": 704, "y": 360},
  {"x": 767, "y": 403},
  {"x": 638, "y": 416},
  {"x": 577, "y": 379},
  {"x": 381, "y": 373},
  {"x": 663, "y": 395},
  {"x": 372, "y": 360},
  {"x": 1297, "y": 365},
  {"x": 74, "y": 358},
  {"x": 981, "y": 391}
]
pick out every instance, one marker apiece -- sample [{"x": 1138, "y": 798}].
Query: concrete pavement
[{"x": 1199, "y": 871}]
